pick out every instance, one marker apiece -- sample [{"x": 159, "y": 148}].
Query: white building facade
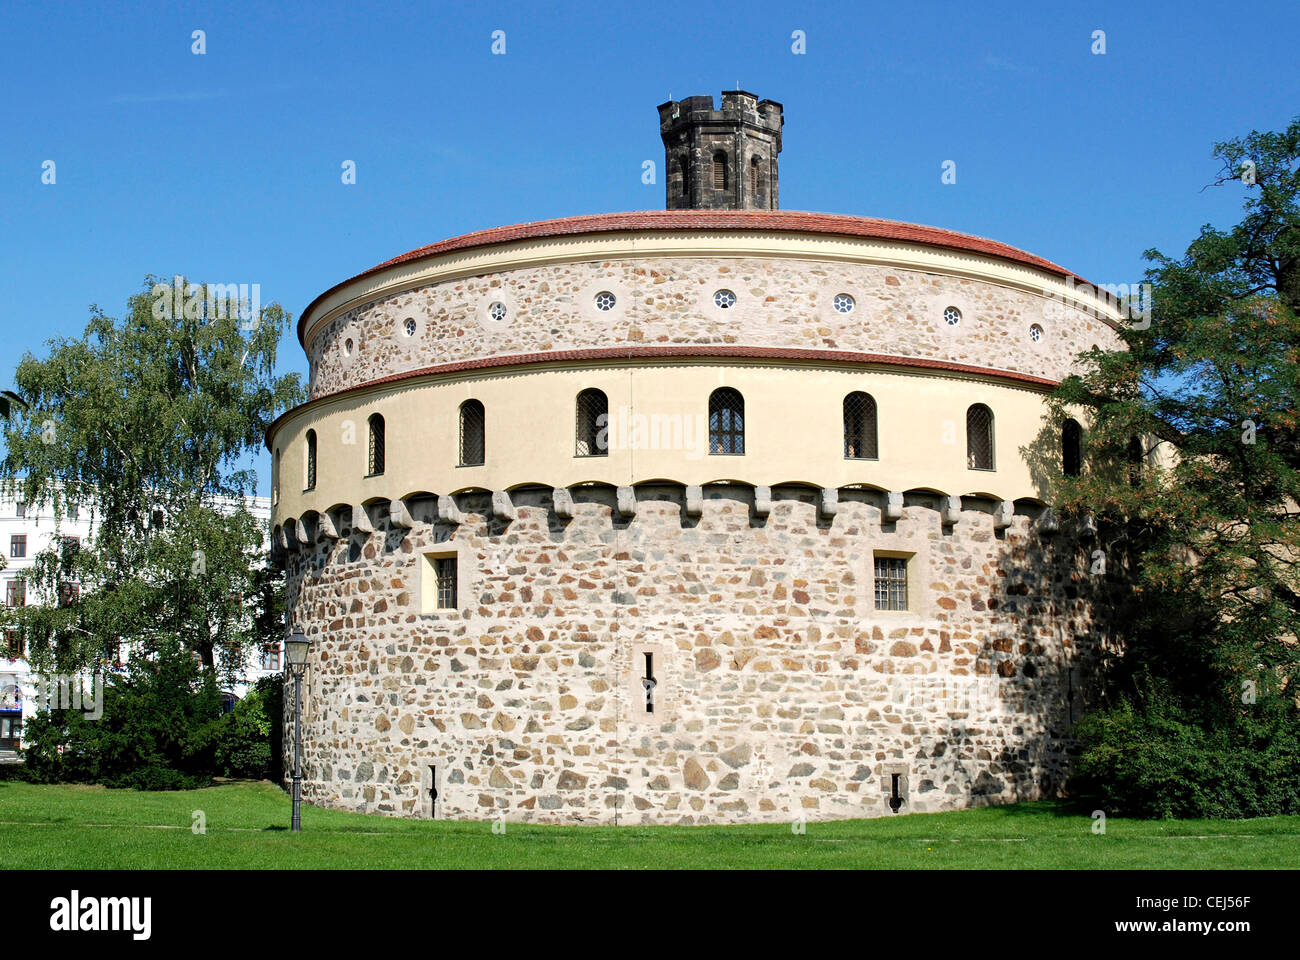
[{"x": 26, "y": 532}]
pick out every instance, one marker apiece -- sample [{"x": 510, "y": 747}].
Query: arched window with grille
[
  {"x": 860, "y": 427},
  {"x": 979, "y": 437},
  {"x": 1071, "y": 448},
  {"x": 755, "y": 175},
  {"x": 592, "y": 419},
  {"x": 726, "y": 421},
  {"x": 473, "y": 446},
  {"x": 375, "y": 461},
  {"x": 719, "y": 171},
  {"x": 310, "y": 471}
]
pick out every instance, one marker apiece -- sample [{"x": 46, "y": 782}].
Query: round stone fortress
[{"x": 705, "y": 515}]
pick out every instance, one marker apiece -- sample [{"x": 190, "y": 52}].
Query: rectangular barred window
[
  {"x": 445, "y": 572},
  {"x": 891, "y": 583}
]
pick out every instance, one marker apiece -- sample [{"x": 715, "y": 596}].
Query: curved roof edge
[{"x": 789, "y": 221}]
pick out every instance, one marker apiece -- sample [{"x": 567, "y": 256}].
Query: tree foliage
[
  {"x": 1205, "y": 523},
  {"x": 145, "y": 424}
]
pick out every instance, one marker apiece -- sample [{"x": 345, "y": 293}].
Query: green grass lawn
[{"x": 43, "y": 827}]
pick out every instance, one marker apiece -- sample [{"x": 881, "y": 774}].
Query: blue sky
[{"x": 226, "y": 166}]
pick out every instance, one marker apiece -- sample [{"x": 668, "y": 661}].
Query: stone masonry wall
[
  {"x": 782, "y": 693},
  {"x": 781, "y": 303}
]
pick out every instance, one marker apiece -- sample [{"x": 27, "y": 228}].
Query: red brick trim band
[
  {"x": 720, "y": 220},
  {"x": 680, "y": 350}
]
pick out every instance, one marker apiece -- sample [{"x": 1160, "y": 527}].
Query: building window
[
  {"x": 69, "y": 593},
  {"x": 724, "y": 299},
  {"x": 18, "y": 545},
  {"x": 719, "y": 171},
  {"x": 473, "y": 443},
  {"x": 497, "y": 311},
  {"x": 593, "y": 418},
  {"x": 843, "y": 303},
  {"x": 275, "y": 479},
  {"x": 409, "y": 327},
  {"x": 270, "y": 659},
  {"x": 860, "y": 427},
  {"x": 441, "y": 582},
  {"x": 755, "y": 164},
  {"x": 16, "y": 593},
  {"x": 74, "y": 511},
  {"x": 311, "y": 461},
  {"x": 378, "y": 446},
  {"x": 605, "y": 301},
  {"x": 951, "y": 316},
  {"x": 1071, "y": 448},
  {"x": 891, "y": 583},
  {"x": 1035, "y": 332},
  {"x": 21, "y": 510},
  {"x": 69, "y": 546},
  {"x": 726, "y": 422},
  {"x": 979, "y": 437},
  {"x": 686, "y": 178},
  {"x": 13, "y": 644},
  {"x": 445, "y": 574}
]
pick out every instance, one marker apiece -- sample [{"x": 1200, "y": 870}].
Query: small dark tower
[{"x": 721, "y": 159}]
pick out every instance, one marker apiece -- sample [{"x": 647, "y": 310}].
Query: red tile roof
[{"x": 720, "y": 220}]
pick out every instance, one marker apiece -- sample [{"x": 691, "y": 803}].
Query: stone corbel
[
  {"x": 300, "y": 535},
  {"x": 326, "y": 528},
  {"x": 361, "y": 520},
  {"x": 281, "y": 539},
  {"x": 448, "y": 512},
  {"x": 950, "y": 509},
  {"x": 762, "y": 501},
  {"x": 399, "y": 515},
  {"x": 502, "y": 508},
  {"x": 828, "y": 504},
  {"x": 627, "y": 501},
  {"x": 1048, "y": 523},
  {"x": 562, "y": 499},
  {"x": 1002, "y": 514},
  {"x": 893, "y": 507},
  {"x": 694, "y": 501},
  {"x": 1088, "y": 527}
]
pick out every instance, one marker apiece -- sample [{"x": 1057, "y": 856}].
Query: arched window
[
  {"x": 375, "y": 462},
  {"x": 719, "y": 171},
  {"x": 1135, "y": 457},
  {"x": 592, "y": 419},
  {"x": 860, "y": 427},
  {"x": 472, "y": 442},
  {"x": 310, "y": 478},
  {"x": 726, "y": 421},
  {"x": 275, "y": 483},
  {"x": 1071, "y": 448},
  {"x": 755, "y": 174},
  {"x": 979, "y": 437}
]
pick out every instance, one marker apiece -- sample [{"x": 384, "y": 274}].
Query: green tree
[
  {"x": 146, "y": 422},
  {"x": 1202, "y": 515}
]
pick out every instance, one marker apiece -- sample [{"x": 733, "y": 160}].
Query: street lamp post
[{"x": 295, "y": 656}]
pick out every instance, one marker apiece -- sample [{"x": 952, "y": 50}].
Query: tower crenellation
[{"x": 721, "y": 159}]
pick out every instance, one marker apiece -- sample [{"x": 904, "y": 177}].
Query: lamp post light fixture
[{"x": 296, "y": 646}]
